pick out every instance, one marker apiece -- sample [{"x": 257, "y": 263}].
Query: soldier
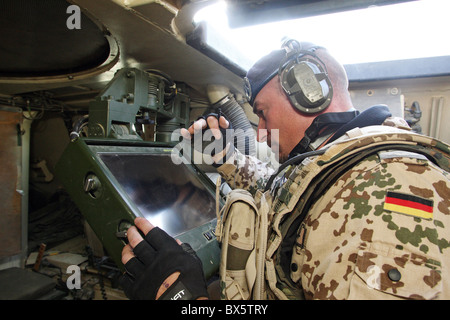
[{"x": 360, "y": 208}]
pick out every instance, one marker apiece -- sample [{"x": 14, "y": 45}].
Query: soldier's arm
[
  {"x": 240, "y": 171},
  {"x": 246, "y": 172}
]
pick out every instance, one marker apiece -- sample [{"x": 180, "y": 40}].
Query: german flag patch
[{"x": 408, "y": 204}]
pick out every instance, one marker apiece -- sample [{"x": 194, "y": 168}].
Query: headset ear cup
[{"x": 306, "y": 84}]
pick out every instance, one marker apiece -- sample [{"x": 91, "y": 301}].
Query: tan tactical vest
[{"x": 251, "y": 230}]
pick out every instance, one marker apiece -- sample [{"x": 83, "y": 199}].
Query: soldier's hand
[
  {"x": 223, "y": 138},
  {"x": 210, "y": 122},
  {"x": 158, "y": 267}
]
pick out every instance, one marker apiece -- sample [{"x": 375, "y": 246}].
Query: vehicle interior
[{"x": 91, "y": 93}]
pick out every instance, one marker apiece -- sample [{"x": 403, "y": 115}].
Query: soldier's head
[{"x": 289, "y": 87}]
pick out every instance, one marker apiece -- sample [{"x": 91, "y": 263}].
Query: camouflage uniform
[
  {"x": 246, "y": 172},
  {"x": 351, "y": 244}
]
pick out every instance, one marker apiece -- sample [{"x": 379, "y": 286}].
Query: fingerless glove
[
  {"x": 156, "y": 258},
  {"x": 209, "y": 144}
]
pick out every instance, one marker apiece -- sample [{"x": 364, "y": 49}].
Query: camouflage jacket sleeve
[
  {"x": 388, "y": 220},
  {"x": 246, "y": 172}
]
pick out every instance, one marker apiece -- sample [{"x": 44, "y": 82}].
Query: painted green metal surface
[{"x": 106, "y": 206}]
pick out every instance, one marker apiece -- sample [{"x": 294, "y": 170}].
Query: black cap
[{"x": 261, "y": 73}]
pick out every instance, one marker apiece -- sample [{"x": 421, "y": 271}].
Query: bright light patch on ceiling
[{"x": 408, "y": 30}]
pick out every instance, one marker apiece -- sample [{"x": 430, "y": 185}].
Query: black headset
[{"x": 304, "y": 78}]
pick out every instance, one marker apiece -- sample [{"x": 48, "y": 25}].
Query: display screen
[{"x": 170, "y": 196}]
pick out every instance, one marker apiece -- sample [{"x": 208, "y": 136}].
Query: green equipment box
[{"x": 114, "y": 181}]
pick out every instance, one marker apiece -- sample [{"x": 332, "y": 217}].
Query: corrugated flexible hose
[{"x": 244, "y": 134}]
